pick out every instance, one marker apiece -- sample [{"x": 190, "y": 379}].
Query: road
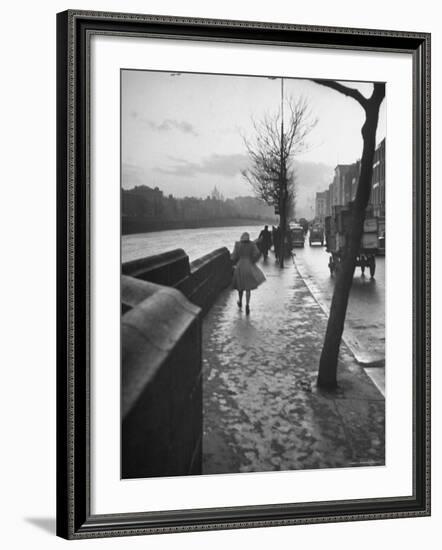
[{"x": 365, "y": 321}]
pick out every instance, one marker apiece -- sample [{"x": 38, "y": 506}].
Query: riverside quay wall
[{"x": 163, "y": 300}]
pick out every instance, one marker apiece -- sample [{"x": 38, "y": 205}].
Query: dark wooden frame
[{"x": 74, "y": 519}]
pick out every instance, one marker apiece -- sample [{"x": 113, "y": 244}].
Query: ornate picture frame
[{"x": 75, "y": 517}]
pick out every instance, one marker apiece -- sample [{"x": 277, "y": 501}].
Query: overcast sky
[{"x": 183, "y": 132}]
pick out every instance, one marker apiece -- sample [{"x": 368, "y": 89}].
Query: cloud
[
  {"x": 311, "y": 177},
  {"x": 171, "y": 124},
  {"x": 167, "y": 125},
  {"x": 131, "y": 175},
  {"x": 219, "y": 165}
]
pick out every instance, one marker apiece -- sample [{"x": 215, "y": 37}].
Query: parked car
[
  {"x": 297, "y": 235},
  {"x": 316, "y": 235}
]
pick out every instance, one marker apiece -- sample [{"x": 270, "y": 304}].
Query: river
[{"x": 195, "y": 242}]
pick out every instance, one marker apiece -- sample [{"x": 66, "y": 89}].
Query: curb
[{"x": 349, "y": 339}]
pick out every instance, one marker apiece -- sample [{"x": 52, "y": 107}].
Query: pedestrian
[
  {"x": 247, "y": 276},
  {"x": 265, "y": 241}
]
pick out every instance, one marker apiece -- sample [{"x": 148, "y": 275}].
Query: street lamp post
[
  {"x": 282, "y": 185},
  {"x": 281, "y": 207}
]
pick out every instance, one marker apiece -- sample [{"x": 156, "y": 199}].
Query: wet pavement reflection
[{"x": 262, "y": 410}]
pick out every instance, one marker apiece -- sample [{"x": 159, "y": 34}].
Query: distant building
[
  {"x": 377, "y": 198},
  {"x": 342, "y": 183},
  {"x": 216, "y": 195},
  {"x": 142, "y": 201},
  {"x": 330, "y": 199},
  {"x": 321, "y": 205},
  {"x": 147, "y": 204},
  {"x": 343, "y": 188}
]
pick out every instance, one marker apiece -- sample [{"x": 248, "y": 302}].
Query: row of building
[
  {"x": 150, "y": 204},
  {"x": 342, "y": 189}
]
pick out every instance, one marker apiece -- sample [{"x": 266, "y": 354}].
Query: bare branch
[
  {"x": 270, "y": 173},
  {"x": 351, "y": 92}
]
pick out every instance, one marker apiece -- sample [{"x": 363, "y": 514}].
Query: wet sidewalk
[{"x": 262, "y": 409}]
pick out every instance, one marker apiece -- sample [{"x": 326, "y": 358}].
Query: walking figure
[
  {"x": 265, "y": 241},
  {"x": 247, "y": 276}
]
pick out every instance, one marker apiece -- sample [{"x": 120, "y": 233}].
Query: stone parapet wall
[
  {"x": 163, "y": 299},
  {"x": 200, "y": 281},
  {"x": 168, "y": 268},
  {"x": 209, "y": 275},
  {"x": 161, "y": 403}
]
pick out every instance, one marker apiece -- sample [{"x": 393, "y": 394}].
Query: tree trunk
[
  {"x": 335, "y": 327},
  {"x": 282, "y": 226}
]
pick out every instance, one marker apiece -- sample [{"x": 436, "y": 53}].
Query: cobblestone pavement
[{"x": 262, "y": 409}]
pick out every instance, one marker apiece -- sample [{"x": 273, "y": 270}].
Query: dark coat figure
[{"x": 265, "y": 241}]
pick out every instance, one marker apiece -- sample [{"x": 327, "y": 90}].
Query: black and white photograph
[
  {"x": 253, "y": 231},
  {"x": 219, "y": 284}
]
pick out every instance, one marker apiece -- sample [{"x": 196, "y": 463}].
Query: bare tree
[
  {"x": 272, "y": 151},
  {"x": 329, "y": 356}
]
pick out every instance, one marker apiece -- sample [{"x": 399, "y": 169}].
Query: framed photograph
[{"x": 243, "y": 274}]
